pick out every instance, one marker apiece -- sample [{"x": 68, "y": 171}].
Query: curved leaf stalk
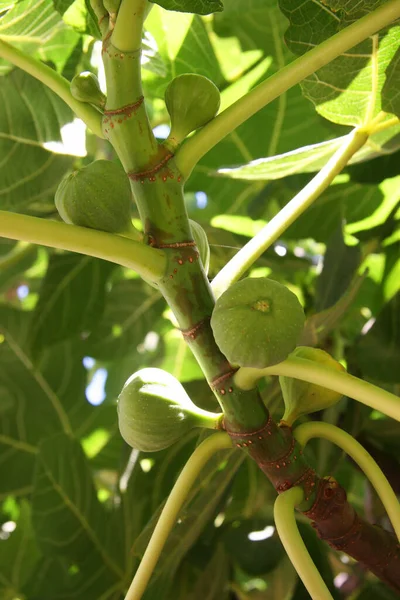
[
  {"x": 149, "y": 263},
  {"x": 243, "y": 260},
  {"x": 236, "y": 114},
  {"x": 89, "y": 115},
  {"x": 289, "y": 534},
  {"x": 168, "y": 517},
  {"x": 305, "y": 432},
  {"x": 341, "y": 382}
]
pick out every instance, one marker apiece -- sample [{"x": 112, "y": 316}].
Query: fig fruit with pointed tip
[
  {"x": 257, "y": 322},
  {"x": 154, "y": 411},
  {"x": 97, "y": 196},
  {"x": 192, "y": 101},
  {"x": 302, "y": 398},
  {"x": 85, "y": 87}
]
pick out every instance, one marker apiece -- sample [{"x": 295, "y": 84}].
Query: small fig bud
[
  {"x": 301, "y": 397},
  {"x": 97, "y": 196},
  {"x": 192, "y": 100},
  {"x": 154, "y": 411},
  {"x": 85, "y": 87},
  {"x": 200, "y": 237},
  {"x": 257, "y": 322}
]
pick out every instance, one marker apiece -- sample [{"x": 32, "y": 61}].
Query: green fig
[
  {"x": 257, "y": 322},
  {"x": 112, "y": 6},
  {"x": 301, "y": 397},
  {"x": 200, "y": 237},
  {"x": 154, "y": 411},
  {"x": 85, "y": 87},
  {"x": 97, "y": 196},
  {"x": 192, "y": 101}
]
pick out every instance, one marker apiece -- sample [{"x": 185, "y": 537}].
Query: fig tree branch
[
  {"x": 305, "y": 432},
  {"x": 148, "y": 262},
  {"x": 58, "y": 84},
  {"x": 244, "y": 108},
  {"x": 127, "y": 33}
]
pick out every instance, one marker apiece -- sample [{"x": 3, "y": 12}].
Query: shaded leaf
[
  {"x": 68, "y": 519},
  {"x": 19, "y": 555},
  {"x": 320, "y": 324},
  {"x": 390, "y": 91},
  {"x": 340, "y": 265},
  {"x": 378, "y": 352},
  {"x": 31, "y": 116},
  {"x": 212, "y": 581},
  {"x": 349, "y": 202},
  {"x": 201, "y": 7},
  {"x": 35, "y": 400},
  {"x": 256, "y": 556},
  {"x": 62, "y": 5},
  {"x": 71, "y": 299},
  {"x": 132, "y": 310}
]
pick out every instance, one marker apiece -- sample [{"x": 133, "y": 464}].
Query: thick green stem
[
  {"x": 150, "y": 263},
  {"x": 243, "y": 260},
  {"x": 291, "y": 539},
  {"x": 176, "y": 499},
  {"x": 89, "y": 115},
  {"x": 307, "y": 431},
  {"x": 196, "y": 147},
  {"x": 127, "y": 33},
  {"x": 246, "y": 378}
]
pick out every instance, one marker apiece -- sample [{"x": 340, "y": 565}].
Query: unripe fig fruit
[
  {"x": 111, "y": 6},
  {"x": 257, "y": 322},
  {"x": 301, "y": 397},
  {"x": 97, "y": 196},
  {"x": 154, "y": 411},
  {"x": 85, "y": 87},
  {"x": 200, "y": 237},
  {"x": 191, "y": 100}
]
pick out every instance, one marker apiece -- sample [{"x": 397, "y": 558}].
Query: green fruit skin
[
  {"x": 97, "y": 196},
  {"x": 85, "y": 87},
  {"x": 200, "y": 237},
  {"x": 192, "y": 101},
  {"x": 111, "y": 6},
  {"x": 257, "y": 322},
  {"x": 302, "y": 398},
  {"x": 154, "y": 411}
]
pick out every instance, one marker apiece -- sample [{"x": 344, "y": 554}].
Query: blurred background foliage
[{"x": 77, "y": 506}]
